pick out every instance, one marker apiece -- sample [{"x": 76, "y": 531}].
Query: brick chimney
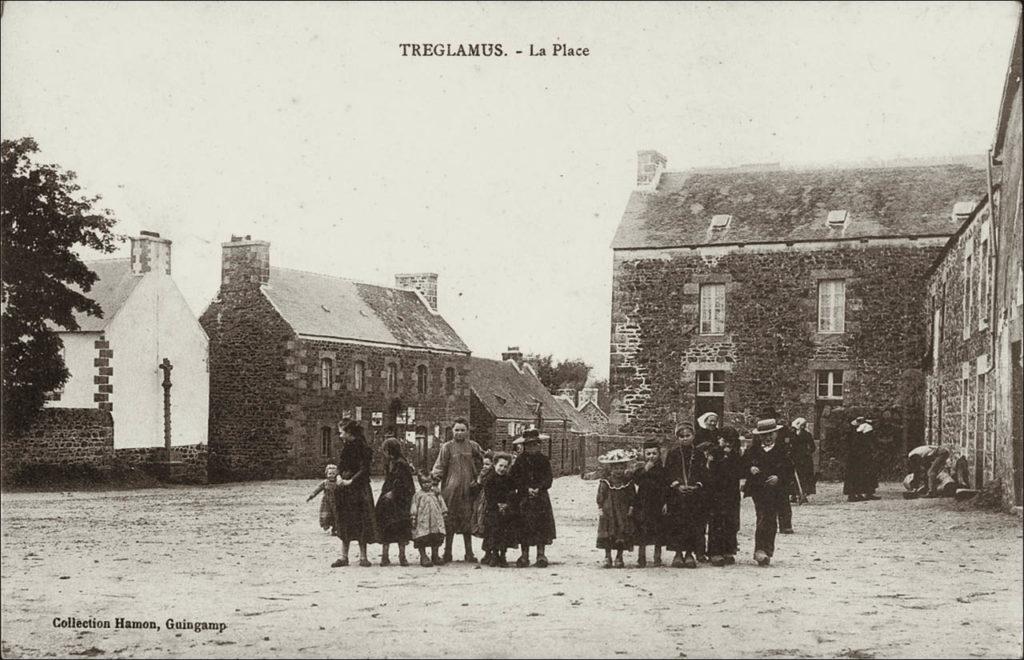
[
  {"x": 513, "y": 353},
  {"x": 150, "y": 253},
  {"x": 425, "y": 283},
  {"x": 245, "y": 263},
  {"x": 649, "y": 166}
]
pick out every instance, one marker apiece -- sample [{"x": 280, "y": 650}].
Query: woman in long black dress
[
  {"x": 861, "y": 477},
  {"x": 354, "y": 519},
  {"x": 393, "y": 504},
  {"x": 802, "y": 452}
]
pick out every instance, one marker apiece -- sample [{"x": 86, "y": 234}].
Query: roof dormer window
[
  {"x": 962, "y": 211},
  {"x": 720, "y": 221},
  {"x": 837, "y": 218}
]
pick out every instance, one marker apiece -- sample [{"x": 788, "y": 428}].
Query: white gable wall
[
  {"x": 156, "y": 323},
  {"x": 79, "y": 353}
]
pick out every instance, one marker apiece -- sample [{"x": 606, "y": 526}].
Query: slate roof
[
  {"x": 337, "y": 308},
  {"x": 792, "y": 205},
  {"x": 116, "y": 282},
  {"x": 577, "y": 421},
  {"x": 509, "y": 394}
]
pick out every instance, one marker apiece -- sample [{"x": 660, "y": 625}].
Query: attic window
[
  {"x": 720, "y": 221},
  {"x": 837, "y": 218},
  {"x": 962, "y": 211},
  {"x": 324, "y": 307},
  {"x": 502, "y": 400}
]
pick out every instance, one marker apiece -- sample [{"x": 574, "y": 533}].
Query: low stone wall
[
  {"x": 62, "y": 438},
  {"x": 188, "y": 462}
]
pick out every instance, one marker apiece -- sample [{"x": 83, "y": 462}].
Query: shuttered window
[
  {"x": 712, "y": 309},
  {"x": 832, "y": 306}
]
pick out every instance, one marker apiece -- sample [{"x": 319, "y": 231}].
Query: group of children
[
  {"x": 687, "y": 498},
  {"x": 510, "y": 508}
]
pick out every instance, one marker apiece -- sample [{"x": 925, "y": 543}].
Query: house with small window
[
  {"x": 975, "y": 303},
  {"x": 508, "y": 398},
  {"x": 802, "y": 290},
  {"x": 292, "y": 353}
]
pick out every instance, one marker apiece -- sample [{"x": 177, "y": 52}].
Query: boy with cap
[
  {"x": 769, "y": 475},
  {"x": 649, "y": 505},
  {"x": 531, "y": 476}
]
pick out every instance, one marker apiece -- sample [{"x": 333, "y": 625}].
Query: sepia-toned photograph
[{"x": 511, "y": 330}]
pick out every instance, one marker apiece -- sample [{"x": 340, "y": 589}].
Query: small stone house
[
  {"x": 507, "y": 398},
  {"x": 119, "y": 363},
  {"x": 975, "y": 301},
  {"x": 736, "y": 290},
  {"x": 292, "y": 353}
]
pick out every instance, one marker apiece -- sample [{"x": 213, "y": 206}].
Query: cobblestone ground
[{"x": 875, "y": 579}]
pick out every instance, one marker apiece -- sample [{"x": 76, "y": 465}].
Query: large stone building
[
  {"x": 737, "y": 290},
  {"x": 292, "y": 353},
  {"x": 975, "y": 298}
]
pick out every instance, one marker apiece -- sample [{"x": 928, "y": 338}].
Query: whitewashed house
[{"x": 115, "y": 361}]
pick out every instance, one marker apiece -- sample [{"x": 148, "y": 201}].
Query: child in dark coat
[
  {"x": 327, "y": 487},
  {"x": 615, "y": 494},
  {"x": 649, "y": 505},
  {"x": 480, "y": 506},
  {"x": 769, "y": 475},
  {"x": 686, "y": 473},
  {"x": 532, "y": 477},
  {"x": 499, "y": 515},
  {"x": 722, "y": 505},
  {"x": 393, "y": 504}
]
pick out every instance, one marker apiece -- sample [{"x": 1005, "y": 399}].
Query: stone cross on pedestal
[{"x": 166, "y": 367}]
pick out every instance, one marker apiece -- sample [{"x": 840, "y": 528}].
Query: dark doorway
[
  {"x": 1015, "y": 401},
  {"x": 710, "y": 389}
]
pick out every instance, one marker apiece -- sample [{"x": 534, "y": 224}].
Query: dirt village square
[{"x": 354, "y": 290}]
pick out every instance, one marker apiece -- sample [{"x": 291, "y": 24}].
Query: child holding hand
[{"x": 327, "y": 487}]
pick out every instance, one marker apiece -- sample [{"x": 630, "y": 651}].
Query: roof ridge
[
  {"x": 105, "y": 261},
  {"x": 338, "y": 277},
  {"x": 767, "y": 168}
]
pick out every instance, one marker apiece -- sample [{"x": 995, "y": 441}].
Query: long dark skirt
[
  {"x": 684, "y": 525},
  {"x": 805, "y": 470},
  {"x": 724, "y": 524},
  {"x": 536, "y": 520},
  {"x": 354, "y": 519}
]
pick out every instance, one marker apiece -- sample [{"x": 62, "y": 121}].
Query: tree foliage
[
  {"x": 557, "y": 375},
  {"x": 43, "y": 217}
]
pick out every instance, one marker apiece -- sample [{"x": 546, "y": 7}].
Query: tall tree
[
  {"x": 557, "y": 375},
  {"x": 43, "y": 217}
]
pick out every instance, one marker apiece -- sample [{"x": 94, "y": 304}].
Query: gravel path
[{"x": 873, "y": 579}]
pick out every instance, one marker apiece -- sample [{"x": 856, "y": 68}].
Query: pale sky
[{"x": 303, "y": 125}]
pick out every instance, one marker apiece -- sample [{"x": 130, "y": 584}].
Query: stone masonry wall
[
  {"x": 771, "y": 350},
  {"x": 955, "y": 395},
  {"x": 312, "y": 409},
  {"x": 62, "y": 437},
  {"x": 189, "y": 462},
  {"x": 248, "y": 438}
]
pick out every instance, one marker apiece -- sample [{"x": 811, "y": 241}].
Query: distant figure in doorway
[
  {"x": 802, "y": 450},
  {"x": 861, "y": 478},
  {"x": 354, "y": 519},
  {"x": 456, "y": 467}
]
